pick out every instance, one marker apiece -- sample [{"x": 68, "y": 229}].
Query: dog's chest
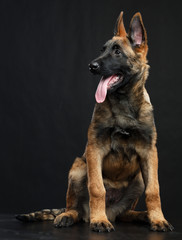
[
  {"x": 122, "y": 141},
  {"x": 120, "y": 126},
  {"x": 122, "y": 159},
  {"x": 119, "y": 136},
  {"x": 124, "y": 137}
]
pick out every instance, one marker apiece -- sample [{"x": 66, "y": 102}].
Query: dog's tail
[{"x": 38, "y": 216}]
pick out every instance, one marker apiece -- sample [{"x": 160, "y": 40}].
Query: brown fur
[{"x": 107, "y": 181}]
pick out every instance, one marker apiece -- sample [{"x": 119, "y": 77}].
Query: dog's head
[{"x": 121, "y": 58}]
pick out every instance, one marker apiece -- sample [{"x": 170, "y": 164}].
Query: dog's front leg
[
  {"x": 149, "y": 168},
  {"x": 97, "y": 192}
]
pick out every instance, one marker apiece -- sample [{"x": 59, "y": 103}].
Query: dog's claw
[
  {"x": 162, "y": 226},
  {"x": 64, "y": 221},
  {"x": 104, "y": 226}
]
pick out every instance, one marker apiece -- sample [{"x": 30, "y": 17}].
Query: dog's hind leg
[
  {"x": 129, "y": 200},
  {"x": 77, "y": 194},
  {"x": 134, "y": 216}
]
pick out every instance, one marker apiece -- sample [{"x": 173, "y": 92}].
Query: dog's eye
[{"x": 117, "y": 52}]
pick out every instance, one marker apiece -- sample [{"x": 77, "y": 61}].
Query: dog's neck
[{"x": 130, "y": 98}]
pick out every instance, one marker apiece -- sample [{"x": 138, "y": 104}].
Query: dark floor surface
[{"x": 11, "y": 229}]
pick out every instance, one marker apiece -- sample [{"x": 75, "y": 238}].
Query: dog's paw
[
  {"x": 63, "y": 220},
  {"x": 161, "y": 226},
  {"x": 101, "y": 226},
  {"x": 158, "y": 222}
]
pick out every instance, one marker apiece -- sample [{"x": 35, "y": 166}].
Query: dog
[{"x": 120, "y": 159}]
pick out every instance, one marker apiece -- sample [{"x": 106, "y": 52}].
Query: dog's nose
[{"x": 94, "y": 66}]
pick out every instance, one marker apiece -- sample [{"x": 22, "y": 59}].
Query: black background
[{"x": 47, "y": 93}]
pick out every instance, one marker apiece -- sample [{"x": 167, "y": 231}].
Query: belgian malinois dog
[{"x": 120, "y": 159}]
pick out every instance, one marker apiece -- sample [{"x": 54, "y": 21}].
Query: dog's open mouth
[{"x": 105, "y": 84}]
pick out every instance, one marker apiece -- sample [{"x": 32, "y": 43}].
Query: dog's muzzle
[{"x": 94, "y": 67}]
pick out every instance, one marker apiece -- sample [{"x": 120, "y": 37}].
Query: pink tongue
[{"x": 101, "y": 91}]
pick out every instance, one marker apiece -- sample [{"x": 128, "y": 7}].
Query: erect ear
[
  {"x": 137, "y": 33},
  {"x": 120, "y": 29}
]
